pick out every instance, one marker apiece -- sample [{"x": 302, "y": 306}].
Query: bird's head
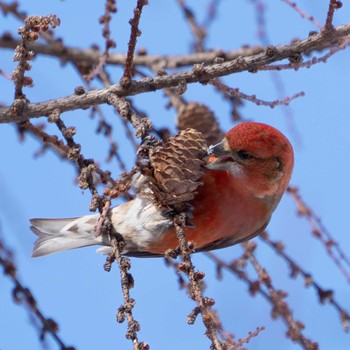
[{"x": 256, "y": 154}]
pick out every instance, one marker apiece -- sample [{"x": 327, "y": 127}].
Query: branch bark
[
  {"x": 20, "y": 112},
  {"x": 92, "y": 56}
]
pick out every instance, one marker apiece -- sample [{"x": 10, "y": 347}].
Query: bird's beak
[{"x": 216, "y": 154}]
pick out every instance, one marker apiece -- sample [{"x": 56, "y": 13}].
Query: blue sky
[{"x": 72, "y": 287}]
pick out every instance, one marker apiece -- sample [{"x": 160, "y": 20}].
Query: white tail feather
[
  {"x": 56, "y": 235},
  {"x": 139, "y": 221}
]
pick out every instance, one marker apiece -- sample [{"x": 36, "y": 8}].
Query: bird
[{"x": 245, "y": 177}]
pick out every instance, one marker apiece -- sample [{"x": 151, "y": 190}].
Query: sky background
[{"x": 72, "y": 287}]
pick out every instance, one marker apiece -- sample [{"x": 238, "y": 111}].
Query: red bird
[{"x": 247, "y": 174}]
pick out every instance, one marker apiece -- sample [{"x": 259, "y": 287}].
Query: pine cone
[
  {"x": 200, "y": 117},
  {"x": 177, "y": 168}
]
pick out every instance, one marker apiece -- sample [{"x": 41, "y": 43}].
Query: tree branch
[
  {"x": 93, "y": 55},
  {"x": 20, "y": 111}
]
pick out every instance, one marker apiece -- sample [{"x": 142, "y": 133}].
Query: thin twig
[
  {"x": 135, "y": 32},
  {"x": 22, "y": 294},
  {"x": 333, "y": 5},
  {"x": 211, "y": 15},
  {"x": 281, "y": 307},
  {"x": 29, "y": 33},
  {"x": 196, "y": 291},
  {"x": 307, "y": 64},
  {"x": 105, "y": 19},
  {"x": 235, "y": 92},
  {"x": 48, "y": 141},
  {"x": 12, "y": 8},
  {"x": 324, "y": 295},
  {"x": 142, "y": 125},
  {"x": 303, "y": 13},
  {"x": 320, "y": 232},
  {"x": 127, "y": 282},
  {"x": 228, "y": 338},
  {"x": 105, "y": 128},
  {"x": 199, "y": 33},
  {"x": 261, "y": 32}
]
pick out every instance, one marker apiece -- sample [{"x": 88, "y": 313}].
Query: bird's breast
[{"x": 223, "y": 211}]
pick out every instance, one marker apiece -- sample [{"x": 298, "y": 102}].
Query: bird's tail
[{"x": 55, "y": 235}]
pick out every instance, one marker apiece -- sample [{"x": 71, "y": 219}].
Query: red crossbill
[{"x": 246, "y": 175}]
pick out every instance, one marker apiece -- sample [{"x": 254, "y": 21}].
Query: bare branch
[
  {"x": 29, "y": 33},
  {"x": 200, "y": 73},
  {"x": 324, "y": 295},
  {"x": 303, "y": 13},
  {"x": 320, "y": 232},
  {"x": 22, "y": 294},
  {"x": 237, "y": 93},
  {"x": 198, "y": 32},
  {"x": 333, "y": 5},
  {"x": 135, "y": 32},
  {"x": 280, "y": 308},
  {"x": 196, "y": 291},
  {"x": 92, "y": 56},
  {"x": 127, "y": 282}
]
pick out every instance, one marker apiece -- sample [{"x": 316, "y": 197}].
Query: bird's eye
[{"x": 244, "y": 155}]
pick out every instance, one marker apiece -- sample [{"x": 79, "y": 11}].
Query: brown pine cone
[
  {"x": 200, "y": 117},
  {"x": 177, "y": 168}
]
